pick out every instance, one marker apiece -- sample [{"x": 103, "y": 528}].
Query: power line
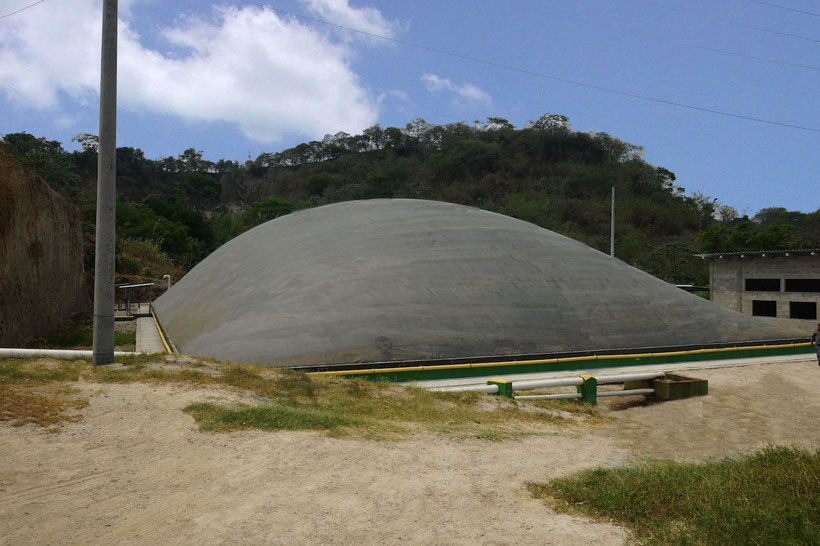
[
  {"x": 786, "y": 8},
  {"x": 727, "y": 21},
  {"x": 531, "y": 72},
  {"x": 22, "y": 9},
  {"x": 659, "y": 38}
]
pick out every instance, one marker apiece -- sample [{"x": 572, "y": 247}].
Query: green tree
[
  {"x": 265, "y": 210},
  {"x": 676, "y": 263},
  {"x": 89, "y": 142},
  {"x": 199, "y": 190},
  {"x": 190, "y": 161},
  {"x": 555, "y": 124},
  {"x": 47, "y": 157}
]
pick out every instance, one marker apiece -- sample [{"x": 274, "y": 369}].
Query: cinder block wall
[
  {"x": 725, "y": 283},
  {"x": 41, "y": 255},
  {"x": 727, "y": 277}
]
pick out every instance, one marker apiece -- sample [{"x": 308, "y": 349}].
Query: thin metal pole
[
  {"x": 612, "y": 227},
  {"x": 103, "y": 352}
]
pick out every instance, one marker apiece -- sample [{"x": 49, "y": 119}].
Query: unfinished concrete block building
[{"x": 779, "y": 283}]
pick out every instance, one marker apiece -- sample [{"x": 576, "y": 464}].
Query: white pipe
[
  {"x": 607, "y": 379},
  {"x": 550, "y": 396},
  {"x": 66, "y": 354},
  {"x": 624, "y": 393},
  {"x": 489, "y": 389},
  {"x": 167, "y": 278},
  {"x": 531, "y": 385}
]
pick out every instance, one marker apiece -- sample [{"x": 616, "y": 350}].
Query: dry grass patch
[
  {"x": 44, "y": 406},
  {"x": 283, "y": 399}
]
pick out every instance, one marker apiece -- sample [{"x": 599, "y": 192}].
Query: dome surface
[{"x": 406, "y": 279}]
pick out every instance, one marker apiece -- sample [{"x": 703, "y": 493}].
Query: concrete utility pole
[
  {"x": 612, "y": 226},
  {"x": 106, "y": 192}
]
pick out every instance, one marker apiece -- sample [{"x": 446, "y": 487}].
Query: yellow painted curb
[
  {"x": 161, "y": 335},
  {"x": 505, "y": 363}
]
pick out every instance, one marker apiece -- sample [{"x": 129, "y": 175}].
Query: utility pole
[
  {"x": 612, "y": 226},
  {"x": 106, "y": 192}
]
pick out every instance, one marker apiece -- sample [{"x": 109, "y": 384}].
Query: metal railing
[{"x": 586, "y": 385}]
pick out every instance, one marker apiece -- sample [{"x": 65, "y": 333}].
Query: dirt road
[{"x": 136, "y": 470}]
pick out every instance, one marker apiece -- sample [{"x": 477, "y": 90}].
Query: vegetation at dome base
[
  {"x": 769, "y": 497},
  {"x": 41, "y": 391},
  {"x": 176, "y": 210}
]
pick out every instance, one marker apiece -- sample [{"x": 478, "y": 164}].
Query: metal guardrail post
[
  {"x": 589, "y": 390},
  {"x": 504, "y": 387}
]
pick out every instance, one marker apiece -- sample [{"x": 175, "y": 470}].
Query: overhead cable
[
  {"x": 660, "y": 38},
  {"x": 727, "y": 21},
  {"x": 22, "y": 9},
  {"x": 531, "y": 72},
  {"x": 785, "y": 7}
]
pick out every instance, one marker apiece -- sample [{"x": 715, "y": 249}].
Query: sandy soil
[
  {"x": 137, "y": 471},
  {"x": 747, "y": 408}
]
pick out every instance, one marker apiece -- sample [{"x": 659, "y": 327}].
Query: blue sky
[{"x": 235, "y": 79}]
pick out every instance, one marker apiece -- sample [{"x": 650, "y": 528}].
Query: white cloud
[
  {"x": 466, "y": 91},
  {"x": 341, "y": 13},
  {"x": 64, "y": 121},
  {"x": 268, "y": 75},
  {"x": 399, "y": 94}
]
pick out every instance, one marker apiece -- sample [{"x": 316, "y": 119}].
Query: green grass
[
  {"x": 287, "y": 400},
  {"x": 215, "y": 418},
  {"x": 138, "y": 358},
  {"x": 77, "y": 332},
  {"x": 340, "y": 406},
  {"x": 770, "y": 497},
  {"x": 125, "y": 338},
  {"x": 20, "y": 371}
]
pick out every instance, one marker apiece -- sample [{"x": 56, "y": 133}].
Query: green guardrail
[{"x": 454, "y": 371}]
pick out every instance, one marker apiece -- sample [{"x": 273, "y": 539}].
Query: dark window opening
[
  {"x": 803, "y": 310},
  {"x": 802, "y": 285},
  {"x": 763, "y": 285},
  {"x": 761, "y": 308}
]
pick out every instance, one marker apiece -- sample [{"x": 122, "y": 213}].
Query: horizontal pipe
[
  {"x": 624, "y": 393},
  {"x": 531, "y": 385},
  {"x": 550, "y": 396},
  {"x": 489, "y": 389},
  {"x": 608, "y": 379},
  {"x": 66, "y": 354}
]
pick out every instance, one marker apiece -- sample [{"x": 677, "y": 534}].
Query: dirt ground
[{"x": 136, "y": 470}]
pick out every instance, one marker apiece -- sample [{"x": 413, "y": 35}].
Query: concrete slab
[{"x": 148, "y": 338}]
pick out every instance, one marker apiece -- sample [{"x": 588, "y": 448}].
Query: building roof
[
  {"x": 760, "y": 253},
  {"x": 405, "y": 279}
]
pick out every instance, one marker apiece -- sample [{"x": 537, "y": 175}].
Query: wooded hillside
[{"x": 174, "y": 211}]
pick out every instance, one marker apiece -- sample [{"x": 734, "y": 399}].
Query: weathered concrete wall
[
  {"x": 41, "y": 255},
  {"x": 728, "y": 281}
]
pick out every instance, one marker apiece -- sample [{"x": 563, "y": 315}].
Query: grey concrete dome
[{"x": 405, "y": 279}]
